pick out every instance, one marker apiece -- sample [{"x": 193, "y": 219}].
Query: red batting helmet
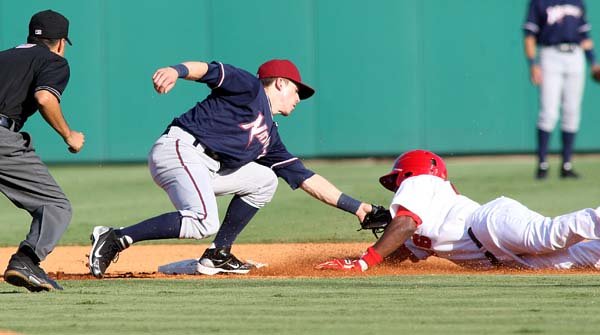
[{"x": 414, "y": 163}]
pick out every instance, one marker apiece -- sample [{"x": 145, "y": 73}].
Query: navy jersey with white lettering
[
  {"x": 557, "y": 21},
  {"x": 25, "y": 70},
  {"x": 235, "y": 121}
]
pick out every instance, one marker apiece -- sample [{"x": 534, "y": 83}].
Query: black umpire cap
[{"x": 49, "y": 24}]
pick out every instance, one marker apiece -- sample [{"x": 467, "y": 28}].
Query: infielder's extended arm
[
  {"x": 50, "y": 109},
  {"x": 321, "y": 189}
]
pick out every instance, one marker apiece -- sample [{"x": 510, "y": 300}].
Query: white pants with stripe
[
  {"x": 563, "y": 78},
  {"x": 514, "y": 233},
  {"x": 193, "y": 180}
]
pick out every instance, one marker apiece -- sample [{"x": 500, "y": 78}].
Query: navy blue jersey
[
  {"x": 25, "y": 70},
  {"x": 557, "y": 21},
  {"x": 235, "y": 122}
]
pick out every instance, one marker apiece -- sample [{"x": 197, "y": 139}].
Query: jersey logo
[
  {"x": 258, "y": 130},
  {"x": 422, "y": 241},
  {"x": 557, "y": 13}
]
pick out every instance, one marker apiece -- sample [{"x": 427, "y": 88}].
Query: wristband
[
  {"x": 372, "y": 257},
  {"x": 182, "y": 70},
  {"x": 531, "y": 61},
  {"x": 590, "y": 56},
  {"x": 348, "y": 204}
]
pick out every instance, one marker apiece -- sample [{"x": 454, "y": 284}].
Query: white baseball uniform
[{"x": 516, "y": 235}]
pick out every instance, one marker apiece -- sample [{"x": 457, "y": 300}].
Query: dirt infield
[{"x": 284, "y": 261}]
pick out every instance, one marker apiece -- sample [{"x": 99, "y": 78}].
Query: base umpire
[{"x": 34, "y": 76}]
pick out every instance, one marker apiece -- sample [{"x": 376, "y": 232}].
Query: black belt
[
  {"x": 207, "y": 151},
  {"x": 488, "y": 255},
  {"x": 566, "y": 47},
  {"x": 7, "y": 122}
]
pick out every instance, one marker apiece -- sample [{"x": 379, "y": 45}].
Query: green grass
[
  {"x": 485, "y": 304},
  {"x": 120, "y": 195}
]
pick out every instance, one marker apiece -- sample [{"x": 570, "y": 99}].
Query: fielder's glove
[{"x": 376, "y": 220}]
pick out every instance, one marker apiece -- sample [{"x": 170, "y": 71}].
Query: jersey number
[{"x": 421, "y": 241}]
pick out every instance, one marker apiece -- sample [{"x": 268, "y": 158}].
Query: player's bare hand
[
  {"x": 363, "y": 210},
  {"x": 164, "y": 79},
  {"x": 536, "y": 74},
  {"x": 75, "y": 141},
  {"x": 596, "y": 73}
]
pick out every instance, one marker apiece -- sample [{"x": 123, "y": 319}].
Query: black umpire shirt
[{"x": 24, "y": 70}]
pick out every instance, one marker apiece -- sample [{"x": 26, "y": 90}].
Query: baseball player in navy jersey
[
  {"x": 33, "y": 77},
  {"x": 560, "y": 29},
  {"x": 226, "y": 144},
  {"x": 430, "y": 218}
]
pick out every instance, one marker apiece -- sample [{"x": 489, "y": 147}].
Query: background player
[
  {"x": 430, "y": 218},
  {"x": 560, "y": 29},
  {"x": 226, "y": 144},
  {"x": 34, "y": 76}
]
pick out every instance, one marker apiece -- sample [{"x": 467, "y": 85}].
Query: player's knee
[
  {"x": 570, "y": 126},
  {"x": 61, "y": 209},
  {"x": 263, "y": 192},
  {"x": 547, "y": 123},
  {"x": 195, "y": 225},
  {"x": 65, "y": 206}
]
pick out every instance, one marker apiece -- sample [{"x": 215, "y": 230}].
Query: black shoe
[
  {"x": 542, "y": 170},
  {"x": 22, "y": 271},
  {"x": 105, "y": 249},
  {"x": 568, "y": 173},
  {"x": 541, "y": 173},
  {"x": 214, "y": 261}
]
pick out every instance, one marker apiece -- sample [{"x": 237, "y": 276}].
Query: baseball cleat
[
  {"x": 568, "y": 173},
  {"x": 221, "y": 260},
  {"x": 541, "y": 174},
  {"x": 105, "y": 248},
  {"x": 22, "y": 271},
  {"x": 542, "y": 171}
]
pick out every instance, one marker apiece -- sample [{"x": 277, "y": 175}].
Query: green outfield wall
[{"x": 391, "y": 75}]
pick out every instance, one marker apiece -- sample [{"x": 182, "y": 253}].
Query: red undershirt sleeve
[{"x": 405, "y": 212}]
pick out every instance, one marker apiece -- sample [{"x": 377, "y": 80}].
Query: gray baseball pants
[
  {"x": 193, "y": 180},
  {"x": 26, "y": 181}
]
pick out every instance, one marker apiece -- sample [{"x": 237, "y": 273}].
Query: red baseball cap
[{"x": 285, "y": 69}]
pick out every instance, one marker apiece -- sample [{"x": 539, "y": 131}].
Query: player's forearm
[
  {"x": 321, "y": 189},
  {"x": 50, "y": 109},
  {"x": 396, "y": 233},
  {"x": 196, "y": 70},
  {"x": 588, "y": 47},
  {"x": 530, "y": 47},
  {"x": 587, "y": 44}
]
